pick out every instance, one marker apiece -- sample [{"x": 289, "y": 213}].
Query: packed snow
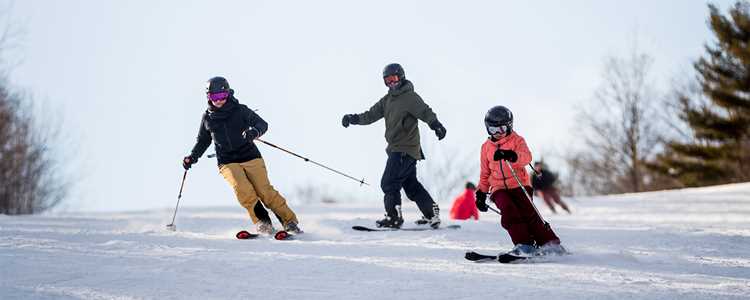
[{"x": 684, "y": 244}]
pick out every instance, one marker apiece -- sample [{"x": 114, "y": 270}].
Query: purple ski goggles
[{"x": 216, "y": 97}]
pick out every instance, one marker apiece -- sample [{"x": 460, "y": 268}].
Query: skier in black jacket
[
  {"x": 545, "y": 184},
  {"x": 233, "y": 127}
]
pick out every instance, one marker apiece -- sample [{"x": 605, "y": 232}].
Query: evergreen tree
[{"x": 720, "y": 149}]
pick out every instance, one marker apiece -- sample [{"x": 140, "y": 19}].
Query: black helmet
[
  {"x": 470, "y": 185},
  {"x": 499, "y": 116},
  {"x": 217, "y": 84},
  {"x": 394, "y": 69}
]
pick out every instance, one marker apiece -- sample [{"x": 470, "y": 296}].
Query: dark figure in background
[{"x": 544, "y": 184}]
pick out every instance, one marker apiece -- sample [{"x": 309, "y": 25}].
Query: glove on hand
[
  {"x": 350, "y": 119},
  {"x": 188, "y": 162},
  {"x": 481, "y": 198},
  {"x": 508, "y": 155},
  {"x": 440, "y": 131},
  {"x": 251, "y": 134}
]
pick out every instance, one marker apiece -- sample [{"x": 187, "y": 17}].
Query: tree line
[
  {"x": 31, "y": 174},
  {"x": 634, "y": 139}
]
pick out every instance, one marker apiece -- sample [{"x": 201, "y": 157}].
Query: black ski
[
  {"x": 476, "y": 257},
  {"x": 503, "y": 258},
  {"x": 364, "y": 228},
  {"x": 508, "y": 258}
]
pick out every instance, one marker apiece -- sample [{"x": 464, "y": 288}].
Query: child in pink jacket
[{"x": 530, "y": 234}]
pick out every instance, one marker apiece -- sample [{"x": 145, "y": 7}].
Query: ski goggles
[
  {"x": 391, "y": 79},
  {"x": 497, "y": 129},
  {"x": 216, "y": 97}
]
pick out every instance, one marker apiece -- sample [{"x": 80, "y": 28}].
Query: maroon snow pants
[{"x": 520, "y": 219}]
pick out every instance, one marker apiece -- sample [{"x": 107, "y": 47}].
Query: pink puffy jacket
[{"x": 490, "y": 176}]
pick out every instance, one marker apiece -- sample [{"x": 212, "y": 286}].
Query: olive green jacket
[{"x": 401, "y": 108}]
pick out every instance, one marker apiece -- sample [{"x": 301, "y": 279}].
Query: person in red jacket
[
  {"x": 464, "y": 206},
  {"x": 504, "y": 157}
]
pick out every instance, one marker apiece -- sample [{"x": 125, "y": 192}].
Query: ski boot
[
  {"x": 552, "y": 248},
  {"x": 292, "y": 227},
  {"x": 519, "y": 252},
  {"x": 390, "y": 222},
  {"x": 264, "y": 227},
  {"x": 434, "y": 222},
  {"x": 523, "y": 250}
]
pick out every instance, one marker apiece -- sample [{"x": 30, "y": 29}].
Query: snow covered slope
[{"x": 686, "y": 244}]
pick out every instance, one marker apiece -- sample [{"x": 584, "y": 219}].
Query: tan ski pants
[{"x": 249, "y": 180}]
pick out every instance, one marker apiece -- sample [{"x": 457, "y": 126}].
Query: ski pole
[
  {"x": 537, "y": 174},
  {"x": 171, "y": 226},
  {"x": 494, "y": 210},
  {"x": 361, "y": 182},
  {"x": 523, "y": 189}
]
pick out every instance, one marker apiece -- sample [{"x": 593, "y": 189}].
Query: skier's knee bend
[
  {"x": 390, "y": 186},
  {"x": 268, "y": 195},
  {"x": 412, "y": 194},
  {"x": 414, "y": 191},
  {"x": 509, "y": 222},
  {"x": 392, "y": 198},
  {"x": 249, "y": 203}
]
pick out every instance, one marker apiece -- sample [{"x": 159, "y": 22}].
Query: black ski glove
[
  {"x": 350, "y": 119},
  {"x": 188, "y": 162},
  {"x": 439, "y": 129},
  {"x": 251, "y": 134},
  {"x": 481, "y": 198},
  {"x": 508, "y": 155}
]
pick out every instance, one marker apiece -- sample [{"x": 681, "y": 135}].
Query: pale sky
[{"x": 128, "y": 78}]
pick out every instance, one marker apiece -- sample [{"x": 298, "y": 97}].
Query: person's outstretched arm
[{"x": 368, "y": 117}]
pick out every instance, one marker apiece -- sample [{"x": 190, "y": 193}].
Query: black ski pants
[{"x": 401, "y": 172}]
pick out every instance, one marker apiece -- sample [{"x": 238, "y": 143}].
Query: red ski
[{"x": 279, "y": 235}]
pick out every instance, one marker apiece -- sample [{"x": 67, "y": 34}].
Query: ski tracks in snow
[{"x": 617, "y": 253}]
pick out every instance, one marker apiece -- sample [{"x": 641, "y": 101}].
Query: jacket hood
[
  {"x": 224, "y": 111},
  {"x": 231, "y": 98},
  {"x": 502, "y": 140},
  {"x": 407, "y": 86}
]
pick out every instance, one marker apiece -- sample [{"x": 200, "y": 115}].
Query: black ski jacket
[
  {"x": 545, "y": 181},
  {"x": 225, "y": 126}
]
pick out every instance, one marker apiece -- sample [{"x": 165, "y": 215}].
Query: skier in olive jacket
[{"x": 401, "y": 107}]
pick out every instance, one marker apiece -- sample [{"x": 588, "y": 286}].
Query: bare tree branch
[
  {"x": 32, "y": 178},
  {"x": 620, "y": 129}
]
